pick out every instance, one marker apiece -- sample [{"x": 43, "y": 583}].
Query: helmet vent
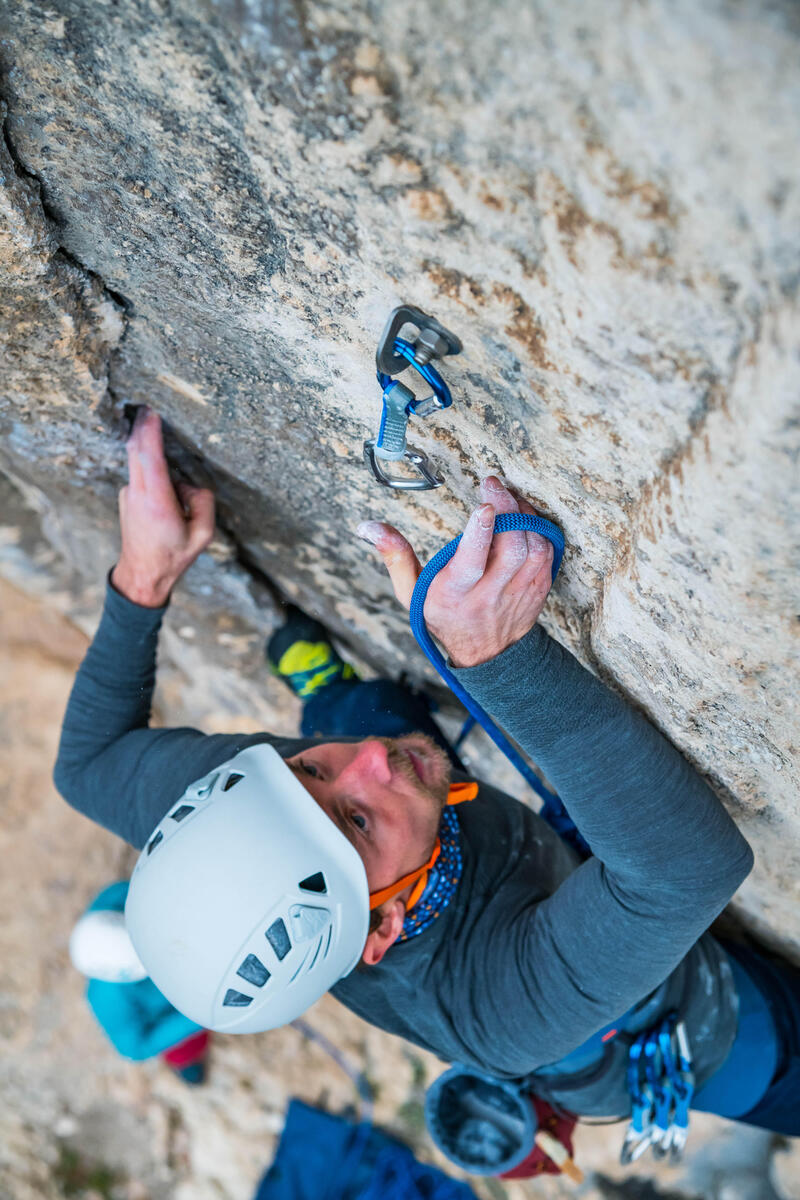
[
  {"x": 323, "y": 944},
  {"x": 254, "y": 971},
  {"x": 316, "y": 954},
  {"x": 234, "y": 999},
  {"x": 278, "y": 938},
  {"x": 232, "y": 780},
  {"x": 300, "y": 966},
  {"x": 306, "y": 921},
  {"x": 182, "y": 811},
  {"x": 151, "y": 845},
  {"x": 314, "y": 883}
]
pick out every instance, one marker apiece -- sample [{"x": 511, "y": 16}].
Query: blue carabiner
[
  {"x": 635, "y": 1092},
  {"x": 663, "y": 1091},
  {"x": 429, "y": 373}
]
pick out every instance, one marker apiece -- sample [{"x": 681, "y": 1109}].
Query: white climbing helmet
[
  {"x": 247, "y": 903},
  {"x": 100, "y": 948}
]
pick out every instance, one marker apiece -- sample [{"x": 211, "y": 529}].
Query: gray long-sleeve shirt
[{"x": 535, "y": 952}]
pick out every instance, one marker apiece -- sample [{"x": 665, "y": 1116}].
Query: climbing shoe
[{"x": 300, "y": 652}]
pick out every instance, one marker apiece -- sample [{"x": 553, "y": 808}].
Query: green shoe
[{"x": 300, "y": 652}]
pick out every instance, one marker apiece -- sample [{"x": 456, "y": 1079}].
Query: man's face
[{"x": 385, "y": 794}]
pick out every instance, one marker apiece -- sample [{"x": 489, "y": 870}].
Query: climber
[
  {"x": 273, "y": 866},
  {"x": 139, "y": 1022}
]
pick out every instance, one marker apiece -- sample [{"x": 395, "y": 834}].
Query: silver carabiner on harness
[{"x": 400, "y": 403}]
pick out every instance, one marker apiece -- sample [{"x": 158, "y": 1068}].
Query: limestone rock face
[{"x": 211, "y": 207}]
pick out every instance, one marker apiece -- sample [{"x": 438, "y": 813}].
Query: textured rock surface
[{"x": 211, "y": 207}]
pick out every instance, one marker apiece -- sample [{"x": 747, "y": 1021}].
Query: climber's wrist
[{"x": 146, "y": 590}]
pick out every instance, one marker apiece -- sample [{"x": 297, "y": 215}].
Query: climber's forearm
[
  {"x": 649, "y": 817},
  {"x": 113, "y": 689},
  {"x": 111, "y": 766}
]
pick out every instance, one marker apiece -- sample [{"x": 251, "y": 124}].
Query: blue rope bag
[{"x": 552, "y": 810}]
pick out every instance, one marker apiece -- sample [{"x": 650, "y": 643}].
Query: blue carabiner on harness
[
  {"x": 683, "y": 1086},
  {"x": 639, "y": 1134},
  {"x": 661, "y": 1085},
  {"x": 663, "y": 1072}
]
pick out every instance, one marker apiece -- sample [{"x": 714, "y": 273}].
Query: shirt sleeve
[
  {"x": 667, "y": 857},
  {"x": 110, "y": 765}
]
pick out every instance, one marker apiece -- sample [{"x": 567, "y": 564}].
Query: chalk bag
[{"x": 484, "y": 1125}]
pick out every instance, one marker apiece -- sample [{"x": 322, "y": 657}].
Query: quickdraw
[
  {"x": 661, "y": 1084},
  {"x": 400, "y": 403}
]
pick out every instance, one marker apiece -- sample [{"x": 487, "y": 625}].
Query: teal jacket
[{"x": 139, "y": 1021}]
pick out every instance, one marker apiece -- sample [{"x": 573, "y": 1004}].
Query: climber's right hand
[
  {"x": 490, "y": 593},
  {"x": 164, "y": 526}
]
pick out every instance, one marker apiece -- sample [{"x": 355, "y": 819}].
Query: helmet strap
[
  {"x": 376, "y": 899},
  {"x": 459, "y": 793}
]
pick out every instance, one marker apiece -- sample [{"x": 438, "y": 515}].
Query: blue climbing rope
[{"x": 553, "y": 810}]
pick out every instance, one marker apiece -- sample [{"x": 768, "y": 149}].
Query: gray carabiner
[{"x": 428, "y": 477}]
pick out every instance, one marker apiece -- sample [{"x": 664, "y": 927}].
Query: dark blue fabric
[
  {"x": 744, "y": 1078},
  {"x": 323, "y": 1157},
  {"x": 779, "y": 1108},
  {"x": 372, "y": 708}
]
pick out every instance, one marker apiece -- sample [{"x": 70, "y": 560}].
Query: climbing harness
[
  {"x": 661, "y": 1084},
  {"x": 400, "y": 403},
  {"x": 552, "y": 810}
]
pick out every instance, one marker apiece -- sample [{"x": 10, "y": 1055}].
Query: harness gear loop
[{"x": 394, "y": 355}]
